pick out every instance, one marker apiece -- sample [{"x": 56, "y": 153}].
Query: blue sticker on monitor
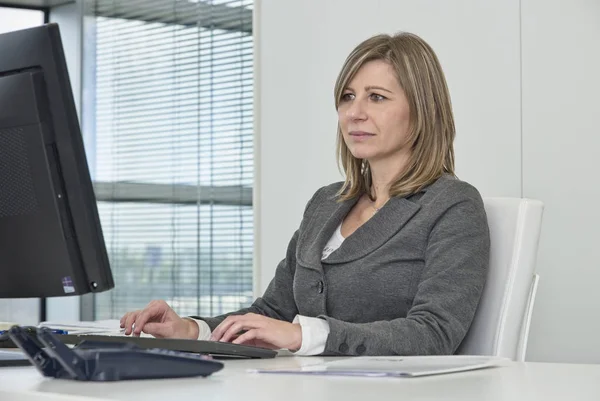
[{"x": 67, "y": 284}]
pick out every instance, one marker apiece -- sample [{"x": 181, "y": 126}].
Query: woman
[{"x": 393, "y": 260}]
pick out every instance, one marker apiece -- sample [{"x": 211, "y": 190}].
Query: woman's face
[{"x": 374, "y": 114}]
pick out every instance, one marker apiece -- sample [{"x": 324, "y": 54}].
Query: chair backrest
[{"x": 501, "y": 323}]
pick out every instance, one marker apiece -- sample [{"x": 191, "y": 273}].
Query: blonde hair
[{"x": 431, "y": 132}]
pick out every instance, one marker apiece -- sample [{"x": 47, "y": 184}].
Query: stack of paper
[
  {"x": 99, "y": 327},
  {"x": 6, "y": 325},
  {"x": 392, "y": 366}
]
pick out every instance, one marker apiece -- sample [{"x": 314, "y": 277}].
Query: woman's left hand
[{"x": 260, "y": 331}]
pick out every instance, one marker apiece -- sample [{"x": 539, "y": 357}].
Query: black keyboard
[{"x": 214, "y": 348}]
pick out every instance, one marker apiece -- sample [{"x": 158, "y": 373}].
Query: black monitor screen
[{"x": 51, "y": 242}]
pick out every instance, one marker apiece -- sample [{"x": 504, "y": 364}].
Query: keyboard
[{"x": 216, "y": 349}]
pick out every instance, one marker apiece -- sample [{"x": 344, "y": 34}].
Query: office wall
[
  {"x": 482, "y": 47},
  {"x": 561, "y": 138}
]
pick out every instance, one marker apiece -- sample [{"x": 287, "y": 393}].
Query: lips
[{"x": 361, "y": 135}]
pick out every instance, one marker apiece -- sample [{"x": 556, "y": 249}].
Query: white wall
[
  {"x": 301, "y": 46},
  {"x": 561, "y": 142}
]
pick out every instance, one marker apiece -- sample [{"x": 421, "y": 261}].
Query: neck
[{"x": 383, "y": 174}]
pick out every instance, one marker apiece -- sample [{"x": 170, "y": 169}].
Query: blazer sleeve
[
  {"x": 277, "y": 301},
  {"x": 454, "y": 274}
]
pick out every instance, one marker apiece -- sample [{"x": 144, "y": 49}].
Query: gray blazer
[{"x": 407, "y": 282}]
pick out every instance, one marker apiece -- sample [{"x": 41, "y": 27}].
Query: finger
[
  {"x": 129, "y": 321},
  {"x": 148, "y": 314},
  {"x": 222, "y": 328},
  {"x": 256, "y": 338},
  {"x": 248, "y": 336},
  {"x": 123, "y": 319},
  {"x": 233, "y": 331},
  {"x": 246, "y": 322},
  {"x": 159, "y": 330}
]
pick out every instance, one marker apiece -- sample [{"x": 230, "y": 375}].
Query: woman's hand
[
  {"x": 159, "y": 320},
  {"x": 259, "y": 330}
]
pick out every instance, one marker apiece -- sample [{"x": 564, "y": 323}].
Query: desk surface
[{"x": 514, "y": 382}]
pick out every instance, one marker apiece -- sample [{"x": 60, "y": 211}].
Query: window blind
[{"x": 168, "y": 123}]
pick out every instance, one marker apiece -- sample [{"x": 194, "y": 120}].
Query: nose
[{"x": 356, "y": 111}]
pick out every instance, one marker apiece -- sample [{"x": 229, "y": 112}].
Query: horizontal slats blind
[{"x": 169, "y": 111}]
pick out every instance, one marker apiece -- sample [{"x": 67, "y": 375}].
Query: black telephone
[{"x": 98, "y": 361}]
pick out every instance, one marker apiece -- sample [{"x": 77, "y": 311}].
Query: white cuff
[
  {"x": 204, "y": 331},
  {"x": 314, "y": 335}
]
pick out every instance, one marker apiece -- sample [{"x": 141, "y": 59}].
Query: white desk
[{"x": 515, "y": 382}]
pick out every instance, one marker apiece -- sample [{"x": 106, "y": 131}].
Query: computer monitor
[{"x": 51, "y": 241}]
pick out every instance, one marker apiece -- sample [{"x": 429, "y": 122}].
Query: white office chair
[{"x": 501, "y": 323}]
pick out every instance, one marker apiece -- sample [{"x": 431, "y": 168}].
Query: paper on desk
[
  {"x": 110, "y": 327},
  {"x": 6, "y": 325},
  {"x": 411, "y": 366},
  {"x": 96, "y": 327}
]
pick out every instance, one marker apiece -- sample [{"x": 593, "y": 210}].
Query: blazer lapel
[
  {"x": 375, "y": 232},
  {"x": 323, "y": 223}
]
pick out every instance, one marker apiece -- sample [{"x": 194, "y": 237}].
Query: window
[
  {"x": 13, "y": 19},
  {"x": 168, "y": 123}
]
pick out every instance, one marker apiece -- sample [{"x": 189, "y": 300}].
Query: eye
[
  {"x": 377, "y": 97},
  {"x": 347, "y": 96}
]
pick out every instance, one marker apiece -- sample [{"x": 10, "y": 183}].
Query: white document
[
  {"x": 100, "y": 327},
  {"x": 6, "y": 325},
  {"x": 96, "y": 327},
  {"x": 392, "y": 366}
]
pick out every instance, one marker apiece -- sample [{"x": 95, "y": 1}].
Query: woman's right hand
[{"x": 159, "y": 320}]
